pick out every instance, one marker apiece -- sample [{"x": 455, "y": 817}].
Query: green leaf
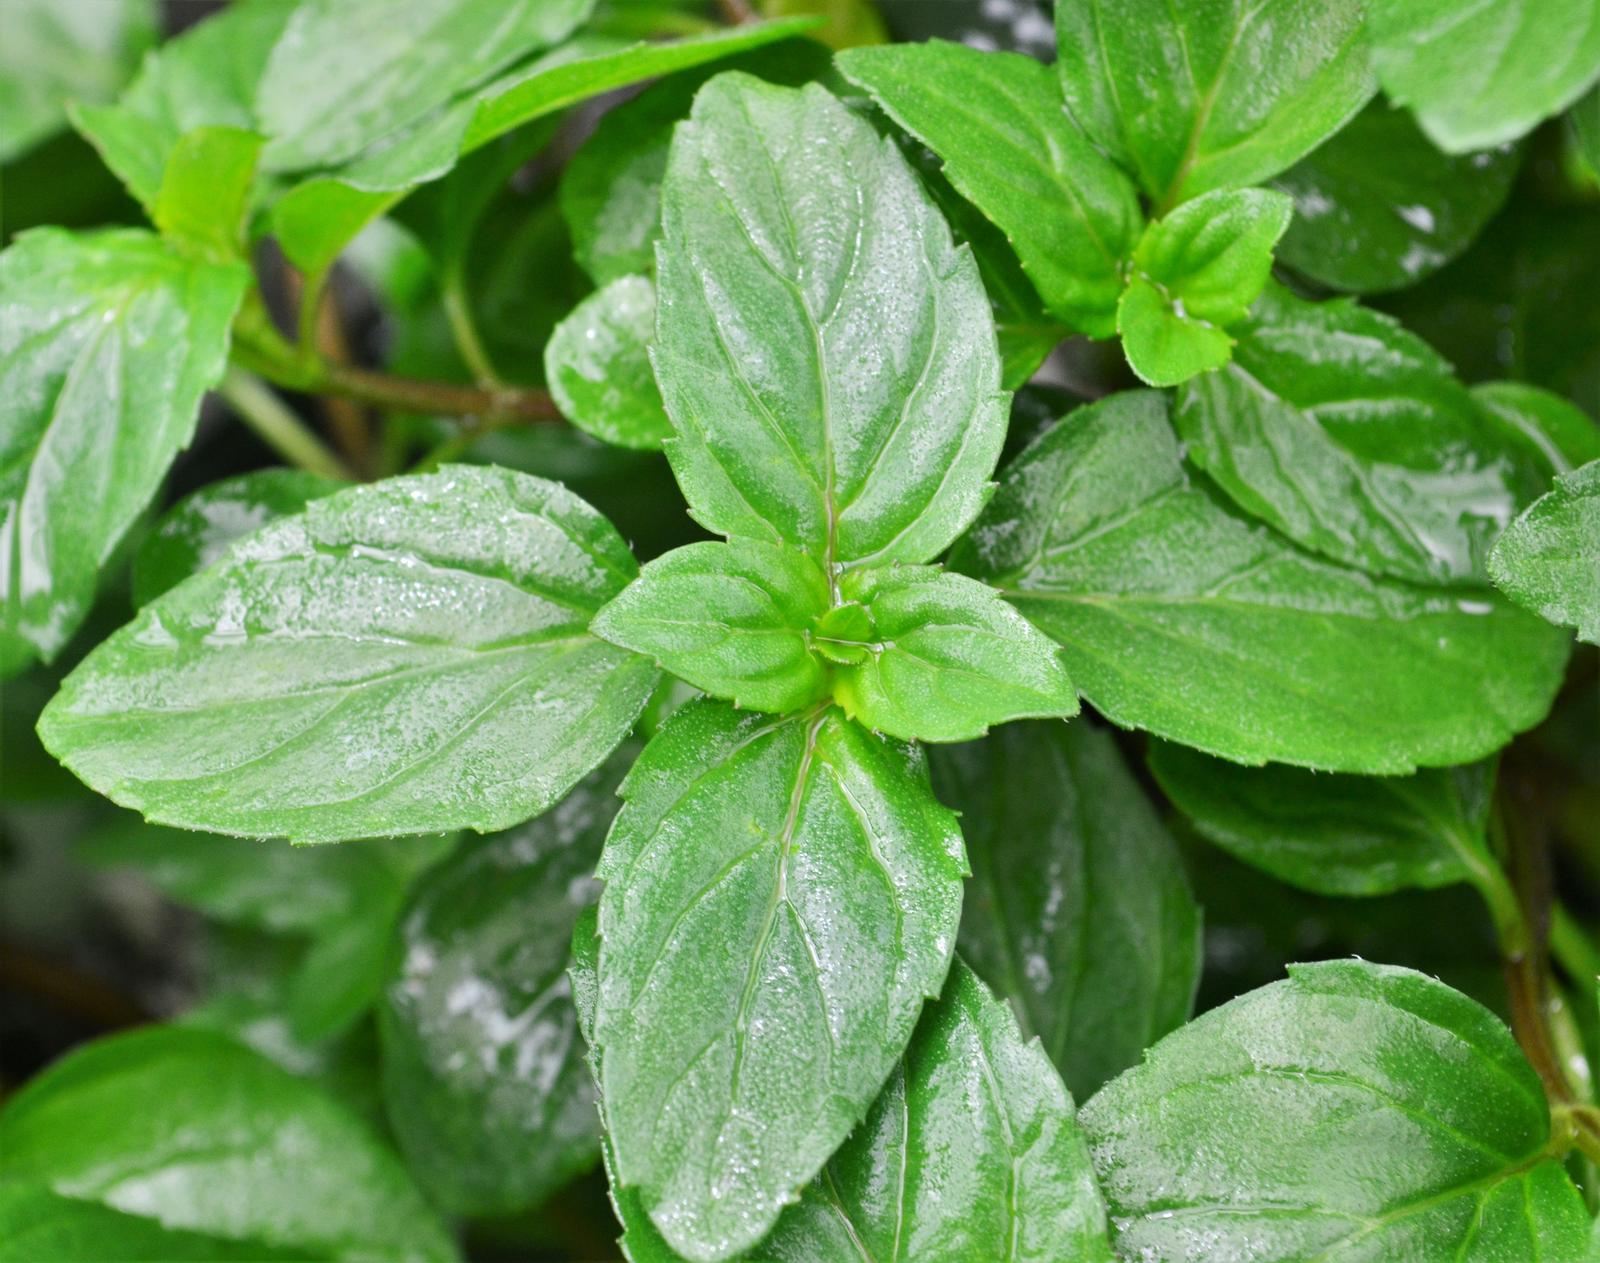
[
  {"x": 206, "y": 77},
  {"x": 1337, "y": 835},
  {"x": 827, "y": 356},
  {"x": 1585, "y": 120},
  {"x": 199, "y": 1134},
  {"x": 201, "y": 527},
  {"x": 36, "y": 1224},
  {"x": 1192, "y": 95},
  {"x": 1549, "y": 558},
  {"x": 1078, "y": 908},
  {"x": 1353, "y": 438},
  {"x": 54, "y": 52},
  {"x": 1565, "y": 434},
  {"x": 1481, "y": 74},
  {"x": 1378, "y": 207},
  {"x": 598, "y": 366},
  {"x": 1182, "y": 618},
  {"x": 939, "y": 657},
  {"x": 406, "y": 657},
  {"x": 1195, "y": 274},
  {"x": 1350, "y": 1111},
  {"x": 997, "y": 123},
  {"x": 731, "y": 619},
  {"x": 108, "y": 342},
  {"x": 484, "y": 1075},
  {"x": 347, "y": 73},
  {"x": 781, "y": 895}
]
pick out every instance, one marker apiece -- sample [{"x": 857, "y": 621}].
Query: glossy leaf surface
[
  {"x": 827, "y": 356},
  {"x": 942, "y": 658},
  {"x": 1378, "y": 207},
  {"x": 1182, "y": 618},
  {"x": 1078, "y": 909},
  {"x": 200, "y": 1134},
  {"x": 996, "y": 121},
  {"x": 1350, "y": 1111},
  {"x": 1481, "y": 74},
  {"x": 407, "y": 657},
  {"x": 781, "y": 895},
  {"x": 598, "y": 366},
  {"x": 1564, "y": 433},
  {"x": 36, "y": 1223},
  {"x": 1549, "y": 558},
  {"x": 1336, "y": 835},
  {"x": 1193, "y": 96},
  {"x": 1353, "y": 438},
  {"x": 107, "y": 343}
]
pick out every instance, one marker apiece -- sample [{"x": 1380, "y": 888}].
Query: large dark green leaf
[
  {"x": 199, "y": 1134},
  {"x": 37, "y": 1224},
  {"x": 1193, "y": 95},
  {"x": 1182, "y": 618},
  {"x": 1549, "y": 558},
  {"x": 1354, "y": 439},
  {"x": 1353, "y": 1111},
  {"x": 107, "y": 343},
  {"x": 781, "y": 895},
  {"x": 407, "y": 657},
  {"x": 1078, "y": 909},
  {"x": 1564, "y": 433},
  {"x": 997, "y": 123},
  {"x": 826, "y": 354}
]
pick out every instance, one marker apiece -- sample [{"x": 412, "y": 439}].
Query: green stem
[
  {"x": 465, "y": 332},
  {"x": 1573, "y": 946},
  {"x": 276, "y": 423}
]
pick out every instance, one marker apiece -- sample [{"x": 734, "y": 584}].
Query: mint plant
[{"x": 900, "y": 651}]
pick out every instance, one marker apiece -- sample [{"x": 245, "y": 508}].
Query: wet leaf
[
  {"x": 36, "y": 1223},
  {"x": 598, "y": 365},
  {"x": 1564, "y": 433},
  {"x": 1549, "y": 558}
]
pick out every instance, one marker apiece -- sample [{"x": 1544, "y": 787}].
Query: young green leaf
[
  {"x": 1353, "y": 438},
  {"x": 484, "y": 1076},
  {"x": 1337, "y": 835},
  {"x": 826, "y": 354},
  {"x": 407, "y": 657},
  {"x": 598, "y": 366},
  {"x": 199, "y": 1134},
  {"x": 1181, "y": 618},
  {"x": 1191, "y": 95},
  {"x": 1584, "y": 119},
  {"x": 201, "y": 527},
  {"x": 781, "y": 895},
  {"x": 1481, "y": 74},
  {"x": 939, "y": 657},
  {"x": 107, "y": 343},
  {"x": 1378, "y": 207},
  {"x": 731, "y": 619},
  {"x": 1078, "y": 908},
  {"x": 1549, "y": 558},
  {"x": 204, "y": 200},
  {"x": 997, "y": 123},
  {"x": 1564, "y": 433},
  {"x": 1350, "y": 1111},
  {"x": 1195, "y": 274}
]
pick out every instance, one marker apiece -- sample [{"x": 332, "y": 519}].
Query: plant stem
[
  {"x": 276, "y": 423},
  {"x": 465, "y": 332},
  {"x": 440, "y": 398},
  {"x": 738, "y": 12},
  {"x": 1574, "y": 948}
]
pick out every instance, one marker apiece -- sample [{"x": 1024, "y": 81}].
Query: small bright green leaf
[
  {"x": 598, "y": 366},
  {"x": 1549, "y": 558},
  {"x": 731, "y": 619},
  {"x": 484, "y": 1076},
  {"x": 1353, "y": 438},
  {"x": 1193, "y": 95},
  {"x": 206, "y": 77},
  {"x": 407, "y": 657},
  {"x": 1182, "y": 618},
  {"x": 1008, "y": 145},
  {"x": 1564, "y": 433},
  {"x": 199, "y": 1134},
  {"x": 349, "y": 72},
  {"x": 201, "y": 527},
  {"x": 1378, "y": 207},
  {"x": 1078, "y": 908},
  {"x": 826, "y": 353},
  {"x": 1585, "y": 120},
  {"x": 107, "y": 343},
  {"x": 1479, "y": 74},
  {"x": 1195, "y": 274},
  {"x": 781, "y": 895},
  {"x": 1336, "y": 835},
  {"x": 205, "y": 192},
  {"x": 1350, "y": 1111},
  {"x": 56, "y": 51},
  {"x": 946, "y": 659}
]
